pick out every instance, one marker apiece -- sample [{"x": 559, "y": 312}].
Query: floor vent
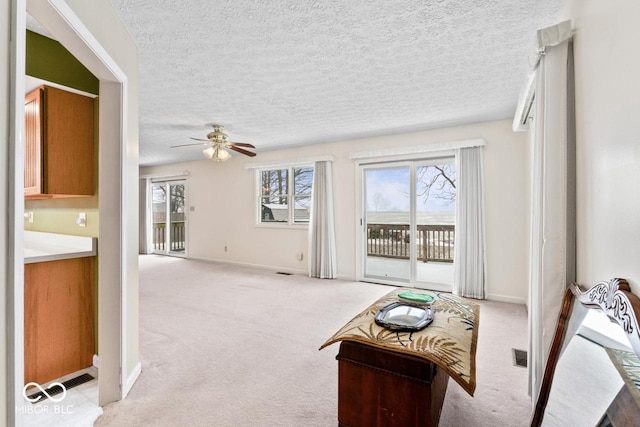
[
  {"x": 283, "y": 273},
  {"x": 56, "y": 389},
  {"x": 519, "y": 358}
]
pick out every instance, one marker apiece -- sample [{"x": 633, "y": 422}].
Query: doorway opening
[
  {"x": 168, "y": 218},
  {"x": 116, "y": 273}
]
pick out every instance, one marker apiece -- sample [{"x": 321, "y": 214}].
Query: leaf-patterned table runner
[
  {"x": 450, "y": 341},
  {"x": 628, "y": 365}
]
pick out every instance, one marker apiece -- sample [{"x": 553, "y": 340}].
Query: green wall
[{"x": 49, "y": 60}]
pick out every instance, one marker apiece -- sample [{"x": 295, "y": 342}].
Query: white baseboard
[
  {"x": 131, "y": 379},
  {"x": 506, "y": 298},
  {"x": 246, "y": 264}
]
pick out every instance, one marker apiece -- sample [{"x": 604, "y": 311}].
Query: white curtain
[
  {"x": 552, "y": 263},
  {"x": 322, "y": 235},
  {"x": 469, "y": 277},
  {"x": 144, "y": 247}
]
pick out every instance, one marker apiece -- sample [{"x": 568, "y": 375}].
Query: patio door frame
[
  {"x": 412, "y": 162},
  {"x": 169, "y": 182}
]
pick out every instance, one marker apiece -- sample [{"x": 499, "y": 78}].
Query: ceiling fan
[{"x": 218, "y": 145}]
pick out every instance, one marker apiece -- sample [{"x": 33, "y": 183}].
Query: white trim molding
[
  {"x": 506, "y": 298},
  {"x": 295, "y": 162},
  {"x": 252, "y": 265},
  {"x": 166, "y": 176},
  {"x": 131, "y": 379},
  {"x": 12, "y": 194},
  {"x": 417, "y": 149}
]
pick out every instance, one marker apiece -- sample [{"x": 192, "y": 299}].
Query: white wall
[
  {"x": 607, "y": 67},
  {"x": 223, "y": 195}
]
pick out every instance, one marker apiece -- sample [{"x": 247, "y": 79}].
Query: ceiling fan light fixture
[
  {"x": 221, "y": 154},
  {"x": 209, "y": 152},
  {"x": 218, "y": 146}
]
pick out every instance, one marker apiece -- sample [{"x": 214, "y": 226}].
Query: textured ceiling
[{"x": 287, "y": 73}]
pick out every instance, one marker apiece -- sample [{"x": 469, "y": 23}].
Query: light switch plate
[{"x": 82, "y": 219}]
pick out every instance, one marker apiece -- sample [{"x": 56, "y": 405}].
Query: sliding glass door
[
  {"x": 168, "y": 217},
  {"x": 408, "y": 223},
  {"x": 387, "y": 221},
  {"x": 435, "y": 218}
]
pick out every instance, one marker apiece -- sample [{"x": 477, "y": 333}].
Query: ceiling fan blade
[
  {"x": 187, "y": 145},
  {"x": 198, "y": 139},
  {"x": 240, "y": 150},
  {"x": 242, "y": 144}
]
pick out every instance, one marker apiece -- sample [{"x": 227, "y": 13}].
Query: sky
[{"x": 388, "y": 190}]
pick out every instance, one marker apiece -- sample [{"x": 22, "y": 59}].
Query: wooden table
[{"x": 379, "y": 387}]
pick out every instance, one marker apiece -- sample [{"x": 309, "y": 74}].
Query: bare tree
[
  {"x": 275, "y": 183},
  {"x": 177, "y": 196},
  {"x": 439, "y": 180},
  {"x": 303, "y": 180},
  {"x": 380, "y": 202}
]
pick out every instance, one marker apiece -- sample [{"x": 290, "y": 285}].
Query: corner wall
[
  {"x": 223, "y": 196},
  {"x": 607, "y": 139}
]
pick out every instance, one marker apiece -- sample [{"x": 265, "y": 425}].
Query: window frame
[{"x": 291, "y": 197}]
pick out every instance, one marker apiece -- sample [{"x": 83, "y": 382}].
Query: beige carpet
[{"x": 223, "y": 345}]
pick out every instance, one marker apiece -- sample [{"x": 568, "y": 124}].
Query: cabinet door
[
  {"x": 68, "y": 143},
  {"x": 58, "y": 318},
  {"x": 33, "y": 143}
]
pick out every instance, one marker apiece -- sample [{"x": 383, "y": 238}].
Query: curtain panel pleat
[
  {"x": 469, "y": 277},
  {"x": 322, "y": 236}
]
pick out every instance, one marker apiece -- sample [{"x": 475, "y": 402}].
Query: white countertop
[{"x": 42, "y": 247}]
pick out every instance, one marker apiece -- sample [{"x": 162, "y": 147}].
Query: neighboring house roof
[{"x": 281, "y": 212}]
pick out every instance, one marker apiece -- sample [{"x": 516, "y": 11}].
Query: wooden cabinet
[
  {"x": 383, "y": 388},
  {"x": 58, "y": 318},
  {"x": 59, "y": 152}
]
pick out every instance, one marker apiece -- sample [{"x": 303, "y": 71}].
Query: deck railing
[
  {"x": 177, "y": 236},
  {"x": 435, "y": 242}
]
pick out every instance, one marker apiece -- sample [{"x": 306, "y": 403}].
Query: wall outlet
[
  {"x": 29, "y": 216},
  {"x": 192, "y": 208},
  {"x": 225, "y": 249},
  {"x": 82, "y": 219},
  {"x": 300, "y": 256}
]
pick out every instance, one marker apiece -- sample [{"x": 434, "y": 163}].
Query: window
[{"x": 280, "y": 189}]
